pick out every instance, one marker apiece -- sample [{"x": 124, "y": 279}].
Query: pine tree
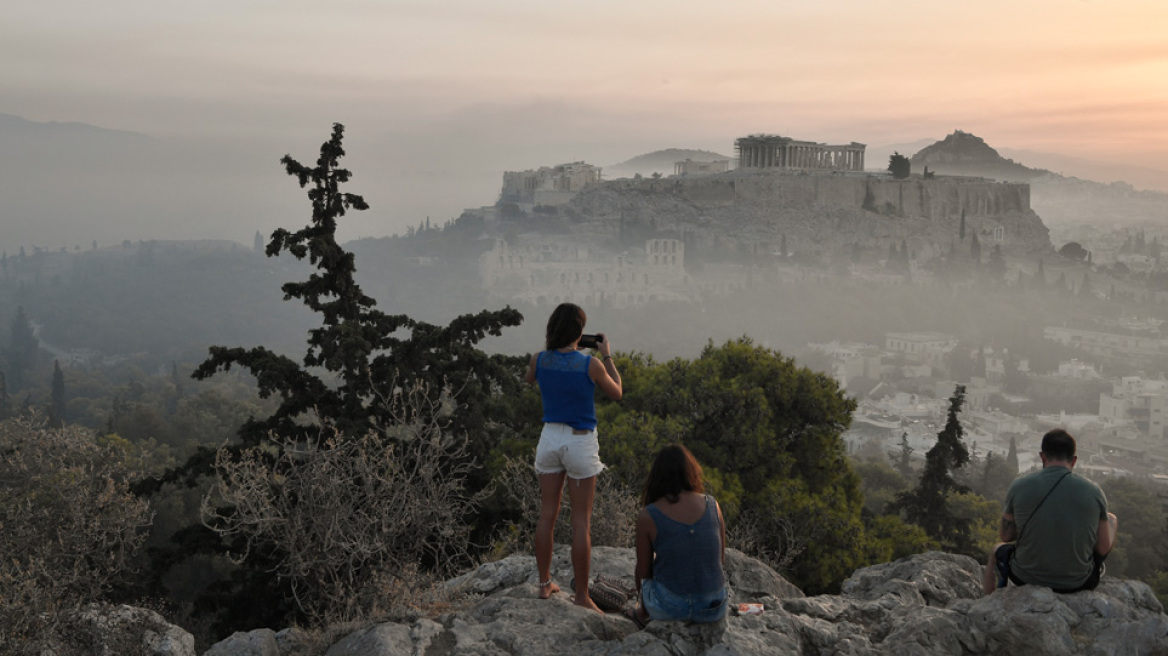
[
  {"x": 356, "y": 359},
  {"x": 975, "y": 249},
  {"x": 961, "y": 229},
  {"x": 1040, "y": 275},
  {"x": 783, "y": 246},
  {"x": 360, "y": 346},
  {"x": 1012, "y": 457}
]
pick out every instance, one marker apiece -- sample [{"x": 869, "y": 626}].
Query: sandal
[{"x": 634, "y": 614}]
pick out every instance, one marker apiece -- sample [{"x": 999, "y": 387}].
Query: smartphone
[{"x": 589, "y": 341}]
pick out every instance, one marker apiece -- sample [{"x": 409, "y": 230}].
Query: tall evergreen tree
[
  {"x": 975, "y": 249},
  {"x": 927, "y": 505},
  {"x": 5, "y": 399},
  {"x": 1012, "y": 457},
  {"x": 22, "y": 352},
  {"x": 356, "y": 359},
  {"x": 961, "y": 228},
  {"x": 904, "y": 463},
  {"x": 57, "y": 407},
  {"x": 362, "y": 347}
]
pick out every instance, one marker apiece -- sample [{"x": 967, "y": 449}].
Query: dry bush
[
  {"x": 69, "y": 527},
  {"x": 364, "y": 525},
  {"x": 614, "y": 510}
]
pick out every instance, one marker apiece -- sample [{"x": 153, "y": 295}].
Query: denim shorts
[
  {"x": 562, "y": 450},
  {"x": 665, "y": 605}
]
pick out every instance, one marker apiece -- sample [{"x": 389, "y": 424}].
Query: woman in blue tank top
[
  {"x": 681, "y": 544},
  {"x": 568, "y": 447}
]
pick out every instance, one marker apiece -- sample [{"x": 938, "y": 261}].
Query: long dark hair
[
  {"x": 565, "y": 325},
  {"x": 674, "y": 470}
]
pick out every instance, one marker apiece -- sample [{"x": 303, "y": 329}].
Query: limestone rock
[
  {"x": 127, "y": 629},
  {"x": 923, "y": 605},
  {"x": 261, "y": 642}
]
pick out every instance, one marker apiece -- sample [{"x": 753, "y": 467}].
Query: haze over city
[{"x": 441, "y": 97}]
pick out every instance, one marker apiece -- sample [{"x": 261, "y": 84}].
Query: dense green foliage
[
  {"x": 767, "y": 433},
  {"x": 899, "y": 166}
]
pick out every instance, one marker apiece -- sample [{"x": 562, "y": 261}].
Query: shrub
[
  {"x": 69, "y": 528},
  {"x": 357, "y": 526}
]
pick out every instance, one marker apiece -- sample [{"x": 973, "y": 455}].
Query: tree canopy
[{"x": 767, "y": 433}]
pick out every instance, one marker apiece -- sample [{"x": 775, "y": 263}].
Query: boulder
[
  {"x": 922, "y": 605},
  {"x": 261, "y": 642},
  {"x": 108, "y": 629}
]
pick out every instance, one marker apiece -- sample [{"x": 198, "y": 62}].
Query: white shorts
[{"x": 561, "y": 450}]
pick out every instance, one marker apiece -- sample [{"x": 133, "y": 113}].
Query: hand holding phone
[{"x": 590, "y": 341}]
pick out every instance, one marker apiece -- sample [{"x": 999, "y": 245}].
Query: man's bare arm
[
  {"x": 1008, "y": 531},
  {"x": 1108, "y": 531}
]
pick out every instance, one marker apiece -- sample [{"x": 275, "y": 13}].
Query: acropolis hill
[{"x": 816, "y": 197}]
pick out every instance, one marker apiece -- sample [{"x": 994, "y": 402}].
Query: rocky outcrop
[
  {"x": 104, "y": 629},
  {"x": 927, "y": 604}
]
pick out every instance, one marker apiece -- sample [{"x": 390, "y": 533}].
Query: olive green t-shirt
[{"x": 1058, "y": 540}]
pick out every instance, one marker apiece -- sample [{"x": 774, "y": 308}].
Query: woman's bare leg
[
  {"x": 551, "y": 489},
  {"x": 581, "y": 492}
]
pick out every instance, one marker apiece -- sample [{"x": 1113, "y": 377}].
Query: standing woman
[
  {"x": 568, "y": 447},
  {"x": 681, "y": 544}
]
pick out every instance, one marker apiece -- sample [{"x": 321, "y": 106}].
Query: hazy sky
[{"x": 438, "y": 86}]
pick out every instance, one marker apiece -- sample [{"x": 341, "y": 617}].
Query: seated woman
[{"x": 681, "y": 544}]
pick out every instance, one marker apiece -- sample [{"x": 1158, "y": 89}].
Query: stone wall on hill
[{"x": 825, "y": 212}]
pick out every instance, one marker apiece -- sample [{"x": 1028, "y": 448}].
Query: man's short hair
[{"x": 1058, "y": 445}]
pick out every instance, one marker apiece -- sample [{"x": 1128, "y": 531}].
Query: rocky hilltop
[
  {"x": 821, "y": 212},
  {"x": 924, "y": 605},
  {"x": 1058, "y": 199},
  {"x": 962, "y": 153}
]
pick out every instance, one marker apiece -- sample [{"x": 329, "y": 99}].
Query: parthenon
[{"x": 765, "y": 151}]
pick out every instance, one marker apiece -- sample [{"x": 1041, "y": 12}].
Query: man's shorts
[
  {"x": 562, "y": 450},
  {"x": 1002, "y": 561}
]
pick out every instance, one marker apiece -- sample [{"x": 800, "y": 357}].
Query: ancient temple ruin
[
  {"x": 769, "y": 151},
  {"x": 548, "y": 185}
]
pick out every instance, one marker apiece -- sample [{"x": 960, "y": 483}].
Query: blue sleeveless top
[
  {"x": 567, "y": 391},
  {"x": 687, "y": 558}
]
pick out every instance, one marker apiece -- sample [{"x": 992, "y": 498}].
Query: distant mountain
[
  {"x": 962, "y": 153},
  {"x": 659, "y": 161},
  {"x": 17, "y": 128}
]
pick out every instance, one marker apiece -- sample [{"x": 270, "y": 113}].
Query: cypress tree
[
  {"x": 927, "y": 505},
  {"x": 57, "y": 409}
]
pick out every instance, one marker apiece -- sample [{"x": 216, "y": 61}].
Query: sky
[{"x": 443, "y": 90}]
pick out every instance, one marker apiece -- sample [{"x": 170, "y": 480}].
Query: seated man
[{"x": 1055, "y": 530}]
